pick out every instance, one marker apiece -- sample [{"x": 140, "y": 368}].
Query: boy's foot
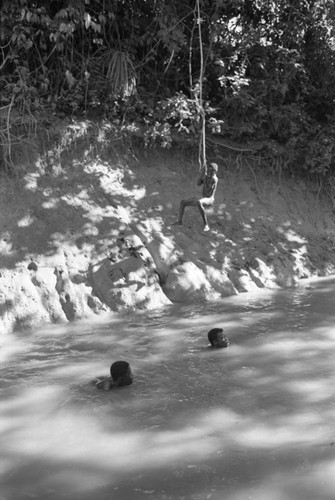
[{"x": 206, "y": 228}]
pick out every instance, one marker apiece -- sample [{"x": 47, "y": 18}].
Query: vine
[{"x": 202, "y": 138}]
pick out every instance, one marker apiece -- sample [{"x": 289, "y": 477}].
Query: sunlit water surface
[{"x": 254, "y": 421}]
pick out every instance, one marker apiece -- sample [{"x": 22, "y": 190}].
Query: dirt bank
[{"x": 85, "y": 233}]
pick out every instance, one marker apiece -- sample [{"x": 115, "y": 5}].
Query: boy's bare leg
[
  {"x": 203, "y": 216},
  {"x": 181, "y": 213},
  {"x": 192, "y": 202}
]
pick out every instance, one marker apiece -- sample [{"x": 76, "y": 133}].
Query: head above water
[
  {"x": 121, "y": 373},
  {"x": 217, "y": 338}
]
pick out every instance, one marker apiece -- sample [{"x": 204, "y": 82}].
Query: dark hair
[
  {"x": 119, "y": 369},
  {"x": 213, "y": 334}
]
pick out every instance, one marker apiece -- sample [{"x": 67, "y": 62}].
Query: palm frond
[{"x": 120, "y": 73}]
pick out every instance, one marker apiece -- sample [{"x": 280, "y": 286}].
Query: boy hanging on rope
[{"x": 210, "y": 182}]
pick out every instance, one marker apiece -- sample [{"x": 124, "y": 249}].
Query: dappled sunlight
[
  {"x": 283, "y": 432},
  {"x": 50, "y": 203},
  {"x": 25, "y": 221},
  {"x": 111, "y": 181},
  {"x": 313, "y": 391},
  {"x": 84, "y": 206},
  {"x": 306, "y": 482},
  {"x": 10, "y": 349},
  {"x": 291, "y": 235},
  {"x": 96, "y": 443},
  {"x": 58, "y": 436},
  {"x": 228, "y": 423}
]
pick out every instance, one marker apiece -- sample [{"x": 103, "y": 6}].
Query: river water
[{"x": 254, "y": 421}]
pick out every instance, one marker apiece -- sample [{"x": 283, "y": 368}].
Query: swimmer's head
[
  {"x": 121, "y": 373},
  {"x": 217, "y": 338}
]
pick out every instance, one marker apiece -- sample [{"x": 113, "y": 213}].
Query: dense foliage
[{"x": 260, "y": 70}]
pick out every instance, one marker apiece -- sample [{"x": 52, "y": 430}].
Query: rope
[{"x": 202, "y": 139}]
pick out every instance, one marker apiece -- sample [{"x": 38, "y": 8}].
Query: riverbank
[{"x": 90, "y": 229}]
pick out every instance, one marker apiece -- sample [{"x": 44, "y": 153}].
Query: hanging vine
[{"x": 202, "y": 138}]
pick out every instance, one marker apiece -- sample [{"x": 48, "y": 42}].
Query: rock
[
  {"x": 23, "y": 307},
  {"x": 73, "y": 298},
  {"x": 128, "y": 284},
  {"x": 186, "y": 282}
]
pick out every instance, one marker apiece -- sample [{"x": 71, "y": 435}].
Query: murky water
[{"x": 254, "y": 421}]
